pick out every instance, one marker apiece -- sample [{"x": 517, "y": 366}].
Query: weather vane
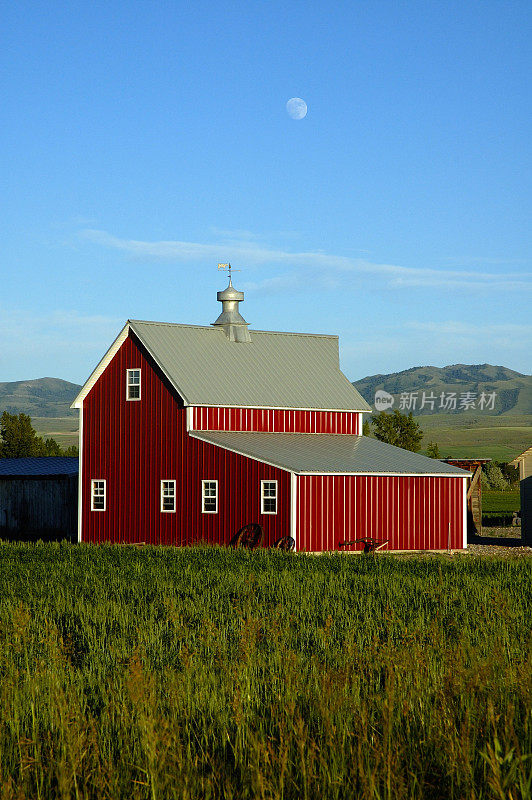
[{"x": 228, "y": 267}]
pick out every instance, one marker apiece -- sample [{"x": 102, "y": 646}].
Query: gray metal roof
[
  {"x": 278, "y": 370},
  {"x": 324, "y": 453}
]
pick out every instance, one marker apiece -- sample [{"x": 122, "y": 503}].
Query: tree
[
  {"x": 492, "y": 477},
  {"x": 398, "y": 429},
  {"x": 50, "y": 448},
  {"x": 433, "y": 451},
  {"x": 17, "y": 437},
  {"x": 366, "y": 429}
]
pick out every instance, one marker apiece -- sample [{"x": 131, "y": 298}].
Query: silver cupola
[{"x": 234, "y": 325}]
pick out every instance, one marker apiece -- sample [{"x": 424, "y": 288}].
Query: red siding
[
  {"x": 274, "y": 420},
  {"x": 414, "y": 513},
  {"x": 134, "y": 445}
]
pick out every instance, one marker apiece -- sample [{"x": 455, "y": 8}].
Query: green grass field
[
  {"x": 500, "y": 438},
  {"x": 65, "y": 430},
  {"x": 207, "y": 673},
  {"x": 504, "y": 502}
]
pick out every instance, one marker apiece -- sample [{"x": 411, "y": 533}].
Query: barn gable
[
  {"x": 275, "y": 370},
  {"x": 131, "y": 447}
]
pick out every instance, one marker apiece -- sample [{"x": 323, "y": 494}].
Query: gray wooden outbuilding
[
  {"x": 38, "y": 498},
  {"x": 524, "y": 462}
]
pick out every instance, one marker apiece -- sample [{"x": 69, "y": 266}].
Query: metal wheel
[
  {"x": 286, "y": 543},
  {"x": 249, "y": 536}
]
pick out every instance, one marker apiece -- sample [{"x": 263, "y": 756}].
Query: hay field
[{"x": 208, "y": 673}]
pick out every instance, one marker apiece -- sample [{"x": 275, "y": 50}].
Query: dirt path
[{"x": 499, "y": 542}]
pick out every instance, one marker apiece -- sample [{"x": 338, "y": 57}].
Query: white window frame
[
  {"x": 129, "y": 385},
  {"x": 94, "y": 481},
  {"x": 164, "y": 496},
  {"x": 205, "y": 497},
  {"x": 263, "y": 497}
]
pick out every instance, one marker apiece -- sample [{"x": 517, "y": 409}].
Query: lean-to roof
[{"x": 328, "y": 453}]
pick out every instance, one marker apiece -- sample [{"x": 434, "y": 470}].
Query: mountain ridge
[
  {"x": 52, "y": 397},
  {"x": 512, "y": 389},
  {"x": 39, "y": 397}
]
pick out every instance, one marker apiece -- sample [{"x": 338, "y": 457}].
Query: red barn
[{"x": 189, "y": 432}]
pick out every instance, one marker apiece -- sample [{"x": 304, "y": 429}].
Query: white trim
[
  {"x": 285, "y": 433},
  {"x": 80, "y": 473},
  {"x": 387, "y": 474},
  {"x": 263, "y": 498},
  {"x": 162, "y": 496},
  {"x": 279, "y": 408},
  {"x": 190, "y": 417},
  {"x": 203, "y": 482},
  {"x": 464, "y": 541},
  {"x": 521, "y": 458},
  {"x": 129, "y": 385},
  {"x": 99, "y": 480},
  {"x": 293, "y": 507},
  {"x": 102, "y": 365}
]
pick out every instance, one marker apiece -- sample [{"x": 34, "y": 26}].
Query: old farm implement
[{"x": 370, "y": 545}]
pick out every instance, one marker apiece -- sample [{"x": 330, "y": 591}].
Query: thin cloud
[
  {"x": 277, "y": 283},
  {"x": 459, "y": 328},
  {"x": 304, "y": 265},
  {"x": 412, "y": 344},
  {"x": 63, "y": 330},
  {"x": 483, "y": 260},
  {"x": 235, "y": 235}
]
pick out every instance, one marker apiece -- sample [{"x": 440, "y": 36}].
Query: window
[
  {"x": 268, "y": 497},
  {"x": 133, "y": 384},
  {"x": 167, "y": 495},
  {"x": 209, "y": 497},
  {"x": 98, "y": 495}
]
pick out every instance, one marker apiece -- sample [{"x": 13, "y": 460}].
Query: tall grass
[{"x": 206, "y": 673}]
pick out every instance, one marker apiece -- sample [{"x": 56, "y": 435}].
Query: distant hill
[
  {"x": 44, "y": 397},
  {"x": 513, "y": 390},
  {"x": 500, "y": 433},
  {"x": 51, "y": 397}
]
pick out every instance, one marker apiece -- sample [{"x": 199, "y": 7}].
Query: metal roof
[
  {"x": 45, "y": 466},
  {"x": 328, "y": 453},
  {"x": 278, "y": 370}
]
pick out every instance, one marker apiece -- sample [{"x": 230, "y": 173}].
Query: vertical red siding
[
  {"x": 414, "y": 513},
  {"x": 134, "y": 445},
  {"x": 274, "y": 420}
]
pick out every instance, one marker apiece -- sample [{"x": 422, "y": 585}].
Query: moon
[{"x": 296, "y": 108}]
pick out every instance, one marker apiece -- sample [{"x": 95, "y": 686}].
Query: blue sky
[{"x": 143, "y": 142}]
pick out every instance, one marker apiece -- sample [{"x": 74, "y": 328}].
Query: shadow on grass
[
  {"x": 498, "y": 541},
  {"x": 43, "y": 535}
]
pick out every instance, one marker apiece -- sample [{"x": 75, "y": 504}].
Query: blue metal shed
[{"x": 38, "y": 498}]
